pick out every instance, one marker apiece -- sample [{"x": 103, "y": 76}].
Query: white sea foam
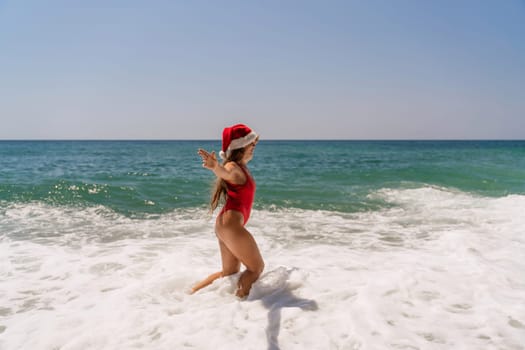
[{"x": 438, "y": 269}]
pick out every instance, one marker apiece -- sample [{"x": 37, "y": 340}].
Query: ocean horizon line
[{"x": 267, "y": 140}]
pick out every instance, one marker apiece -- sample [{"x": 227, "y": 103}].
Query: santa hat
[{"x": 235, "y": 137}]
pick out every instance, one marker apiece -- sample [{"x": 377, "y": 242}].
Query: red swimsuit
[{"x": 240, "y": 197}]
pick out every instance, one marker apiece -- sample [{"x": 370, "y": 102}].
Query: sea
[{"x": 367, "y": 245}]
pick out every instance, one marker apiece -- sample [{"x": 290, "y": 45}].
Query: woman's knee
[
  {"x": 230, "y": 271},
  {"x": 261, "y": 267}
]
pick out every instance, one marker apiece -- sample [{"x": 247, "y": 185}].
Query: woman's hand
[{"x": 209, "y": 160}]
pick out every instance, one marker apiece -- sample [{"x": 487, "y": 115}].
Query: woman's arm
[{"x": 230, "y": 172}]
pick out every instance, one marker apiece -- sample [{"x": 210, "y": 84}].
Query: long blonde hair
[{"x": 219, "y": 192}]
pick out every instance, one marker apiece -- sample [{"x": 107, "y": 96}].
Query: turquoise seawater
[
  {"x": 137, "y": 177},
  {"x": 366, "y": 244}
]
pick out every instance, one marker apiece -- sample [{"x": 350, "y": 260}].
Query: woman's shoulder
[
  {"x": 237, "y": 171},
  {"x": 231, "y": 165}
]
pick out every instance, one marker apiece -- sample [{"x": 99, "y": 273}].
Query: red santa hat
[{"x": 235, "y": 137}]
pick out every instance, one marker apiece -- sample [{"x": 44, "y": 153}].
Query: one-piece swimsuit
[{"x": 240, "y": 197}]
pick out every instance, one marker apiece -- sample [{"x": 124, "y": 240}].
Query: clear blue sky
[{"x": 375, "y": 69}]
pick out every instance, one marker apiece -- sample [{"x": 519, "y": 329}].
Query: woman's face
[{"x": 248, "y": 151}]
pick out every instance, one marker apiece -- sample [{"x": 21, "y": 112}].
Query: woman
[{"x": 235, "y": 184}]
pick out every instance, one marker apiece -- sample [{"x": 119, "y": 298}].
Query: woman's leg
[
  {"x": 230, "y": 265},
  {"x": 205, "y": 282},
  {"x": 237, "y": 245},
  {"x": 241, "y": 244}
]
